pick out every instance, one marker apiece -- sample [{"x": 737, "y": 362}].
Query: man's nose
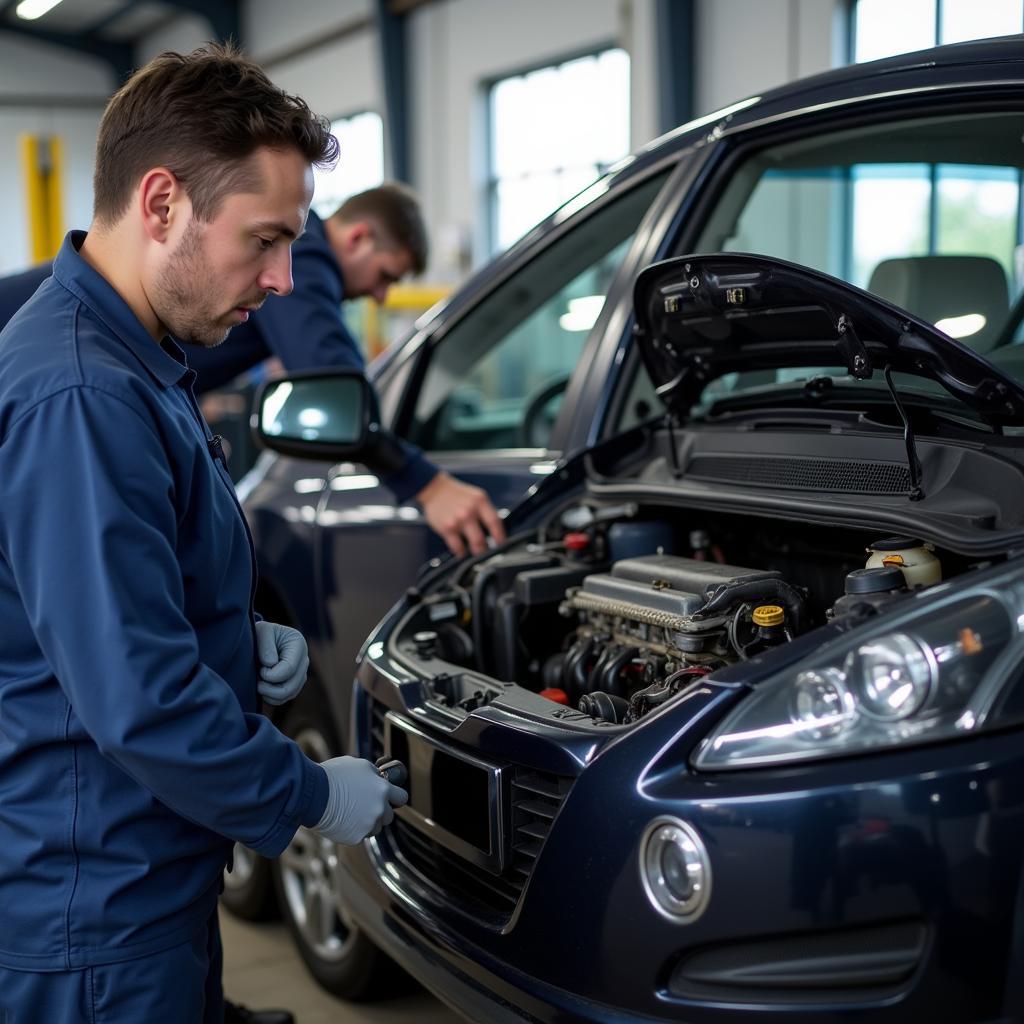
[
  {"x": 276, "y": 276},
  {"x": 380, "y": 293}
]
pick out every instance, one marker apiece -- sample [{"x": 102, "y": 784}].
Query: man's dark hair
[
  {"x": 394, "y": 208},
  {"x": 201, "y": 115}
]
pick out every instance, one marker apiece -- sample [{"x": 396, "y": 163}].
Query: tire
[
  {"x": 341, "y": 959},
  {"x": 249, "y": 887}
]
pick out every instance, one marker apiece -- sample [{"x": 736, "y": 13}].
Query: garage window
[
  {"x": 552, "y": 132},
  {"x": 882, "y": 28},
  {"x": 361, "y": 165}
]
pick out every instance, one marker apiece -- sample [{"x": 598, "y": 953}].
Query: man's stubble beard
[{"x": 184, "y": 303}]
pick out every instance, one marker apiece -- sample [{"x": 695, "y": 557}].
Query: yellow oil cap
[{"x": 768, "y": 615}]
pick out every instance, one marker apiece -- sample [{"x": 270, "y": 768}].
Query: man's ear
[
  {"x": 162, "y": 202},
  {"x": 359, "y": 232}
]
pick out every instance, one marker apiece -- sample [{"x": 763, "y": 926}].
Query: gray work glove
[
  {"x": 283, "y": 660},
  {"x": 359, "y": 803}
]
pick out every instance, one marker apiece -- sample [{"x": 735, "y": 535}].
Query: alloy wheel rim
[{"x": 309, "y": 879}]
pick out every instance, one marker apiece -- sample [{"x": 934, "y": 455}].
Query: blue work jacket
[{"x": 132, "y": 752}]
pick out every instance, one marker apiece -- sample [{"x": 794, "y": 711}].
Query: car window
[
  {"x": 924, "y": 213},
  {"x": 496, "y": 380}
]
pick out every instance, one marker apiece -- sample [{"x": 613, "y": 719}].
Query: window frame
[
  {"x": 351, "y": 116},
  {"x": 851, "y": 33},
  {"x": 402, "y": 379},
  {"x": 489, "y": 200},
  {"x": 600, "y": 211}
]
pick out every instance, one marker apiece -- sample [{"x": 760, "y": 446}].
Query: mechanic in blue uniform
[
  {"x": 132, "y": 753},
  {"x": 373, "y": 240}
]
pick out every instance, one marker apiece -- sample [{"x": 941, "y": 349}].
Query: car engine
[
  {"x": 662, "y": 620},
  {"x": 605, "y": 618}
]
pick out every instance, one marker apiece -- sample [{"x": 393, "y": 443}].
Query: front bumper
[
  {"x": 807, "y": 864},
  {"x": 464, "y": 977}
]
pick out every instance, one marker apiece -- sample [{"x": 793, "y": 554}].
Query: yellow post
[
  {"x": 415, "y": 298},
  {"x": 42, "y": 165},
  {"x": 402, "y": 298}
]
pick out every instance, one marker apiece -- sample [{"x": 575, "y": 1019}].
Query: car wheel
[
  {"x": 337, "y": 954},
  {"x": 249, "y": 887}
]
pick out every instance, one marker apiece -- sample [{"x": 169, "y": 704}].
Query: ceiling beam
[
  {"x": 393, "y": 31},
  {"x": 223, "y": 15},
  {"x": 111, "y": 17},
  {"x": 326, "y": 37},
  {"x": 117, "y": 55},
  {"x": 676, "y": 50},
  {"x": 407, "y": 6}
]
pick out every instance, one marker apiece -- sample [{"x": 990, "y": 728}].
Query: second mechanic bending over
[{"x": 371, "y": 242}]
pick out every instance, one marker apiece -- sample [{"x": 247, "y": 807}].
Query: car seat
[{"x": 938, "y": 287}]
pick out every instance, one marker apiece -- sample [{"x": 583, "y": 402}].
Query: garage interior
[{"x": 448, "y": 97}]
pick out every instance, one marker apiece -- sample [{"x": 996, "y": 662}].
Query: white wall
[
  {"x": 337, "y": 80},
  {"x": 455, "y": 48},
  {"x": 748, "y": 46},
  {"x": 270, "y": 26},
  {"x": 45, "y": 91},
  {"x": 185, "y": 33},
  {"x": 28, "y": 68},
  {"x": 77, "y": 130}
]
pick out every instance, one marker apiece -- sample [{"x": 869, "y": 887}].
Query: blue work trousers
[{"x": 181, "y": 985}]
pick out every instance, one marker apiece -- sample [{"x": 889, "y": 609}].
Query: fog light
[{"x": 675, "y": 870}]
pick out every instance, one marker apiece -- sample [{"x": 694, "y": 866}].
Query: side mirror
[{"x": 328, "y": 415}]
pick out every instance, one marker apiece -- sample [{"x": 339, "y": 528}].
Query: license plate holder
[{"x": 456, "y": 799}]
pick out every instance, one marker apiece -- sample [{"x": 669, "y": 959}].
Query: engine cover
[{"x": 662, "y": 590}]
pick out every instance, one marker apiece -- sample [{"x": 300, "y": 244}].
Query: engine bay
[{"x": 614, "y": 610}]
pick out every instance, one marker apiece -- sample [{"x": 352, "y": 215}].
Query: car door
[{"x": 482, "y": 393}]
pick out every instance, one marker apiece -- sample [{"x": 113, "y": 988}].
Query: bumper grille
[{"x": 534, "y": 799}]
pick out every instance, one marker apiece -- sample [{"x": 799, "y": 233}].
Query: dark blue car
[{"x": 733, "y": 726}]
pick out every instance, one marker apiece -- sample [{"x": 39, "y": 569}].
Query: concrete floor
[{"x": 262, "y": 970}]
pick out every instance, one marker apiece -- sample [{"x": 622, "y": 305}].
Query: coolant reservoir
[{"x": 913, "y": 558}]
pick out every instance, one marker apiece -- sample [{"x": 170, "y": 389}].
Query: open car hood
[{"x": 699, "y": 317}]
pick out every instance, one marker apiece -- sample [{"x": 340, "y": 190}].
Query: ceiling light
[
  {"x": 962, "y": 326},
  {"x": 583, "y": 313},
  {"x": 32, "y": 9}
]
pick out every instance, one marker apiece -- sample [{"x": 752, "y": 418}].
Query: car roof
[
  {"x": 998, "y": 61},
  {"x": 982, "y": 60}
]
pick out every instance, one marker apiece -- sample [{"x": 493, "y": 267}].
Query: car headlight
[{"x": 935, "y": 669}]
